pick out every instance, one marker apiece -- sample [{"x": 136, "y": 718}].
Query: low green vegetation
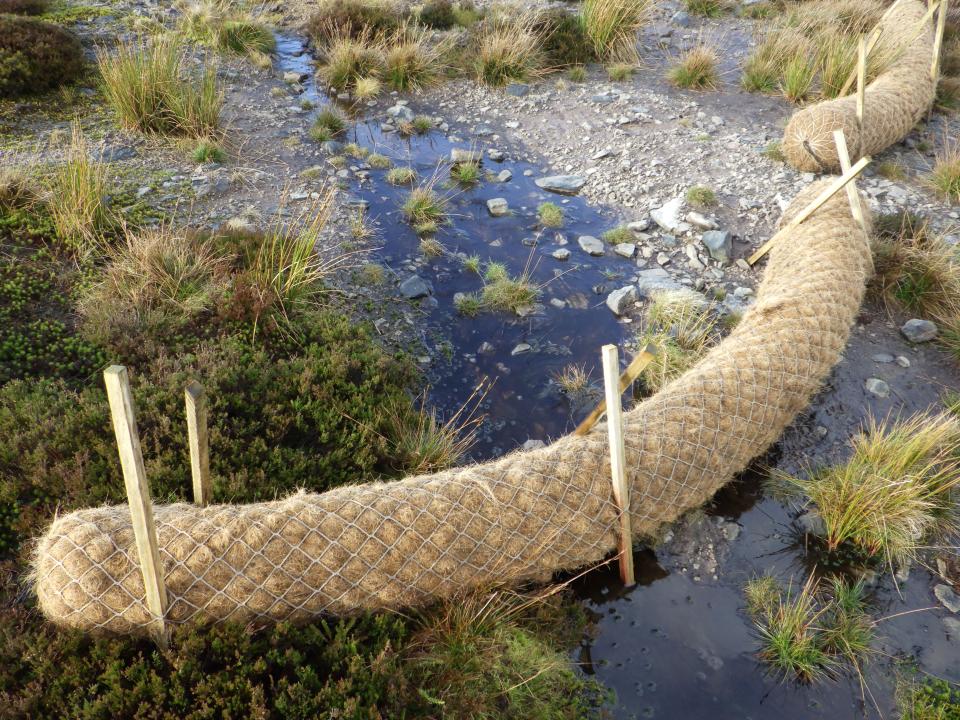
[
  {"x": 208, "y": 151},
  {"x": 36, "y": 56},
  {"x": 701, "y": 196},
  {"x": 945, "y": 176},
  {"x": 472, "y": 264},
  {"x": 222, "y": 24},
  {"x": 353, "y": 18},
  {"x": 577, "y": 74},
  {"x": 401, "y": 176},
  {"x": 379, "y": 162},
  {"x": 696, "y": 69},
  {"x": 617, "y": 235},
  {"x": 928, "y": 698},
  {"x": 466, "y": 173},
  {"x": 151, "y": 88},
  {"x": 897, "y": 490},
  {"x": 23, "y": 7},
  {"x": 328, "y": 125},
  {"x": 425, "y": 208},
  {"x": 812, "y": 632},
  {"x": 681, "y": 328},
  {"x": 550, "y": 215},
  {"x": 411, "y": 61},
  {"x": 620, "y": 72},
  {"x": 503, "y": 292},
  {"x": 705, "y": 8},
  {"x": 565, "y": 41}
]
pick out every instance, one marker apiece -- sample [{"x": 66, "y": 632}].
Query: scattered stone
[
  {"x": 415, "y": 287},
  {"x": 668, "y": 215},
  {"x": 882, "y": 358},
  {"x": 332, "y": 147},
  {"x": 520, "y": 349},
  {"x": 504, "y": 176},
  {"x": 401, "y": 113},
  {"x": 533, "y": 444},
  {"x": 719, "y": 244},
  {"x": 650, "y": 281},
  {"x": 638, "y": 226},
  {"x": 460, "y": 155},
  {"x": 681, "y": 18},
  {"x": 947, "y": 597},
  {"x": 495, "y": 155},
  {"x": 590, "y": 245},
  {"x": 561, "y": 254},
  {"x": 919, "y": 331},
  {"x": 903, "y": 361},
  {"x": 701, "y": 221},
  {"x": 877, "y": 387},
  {"x": 293, "y": 78},
  {"x": 498, "y": 207},
  {"x": 518, "y": 89},
  {"x": 620, "y": 300},
  {"x": 486, "y": 348},
  {"x": 662, "y": 259},
  {"x": 627, "y": 250},
  {"x": 562, "y": 184}
]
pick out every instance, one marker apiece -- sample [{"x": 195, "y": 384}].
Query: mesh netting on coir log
[
  {"x": 893, "y": 103},
  {"x": 407, "y": 543}
]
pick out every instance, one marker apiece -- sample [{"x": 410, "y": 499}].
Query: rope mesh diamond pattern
[
  {"x": 407, "y": 543},
  {"x": 893, "y": 103}
]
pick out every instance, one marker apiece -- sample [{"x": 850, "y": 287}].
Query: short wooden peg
[
  {"x": 621, "y": 492},
  {"x": 855, "y": 207},
  {"x": 138, "y": 494},
  {"x": 196, "y": 402}
]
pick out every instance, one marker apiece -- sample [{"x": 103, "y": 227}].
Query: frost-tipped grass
[
  {"x": 897, "y": 490},
  {"x": 152, "y": 90},
  {"x": 612, "y": 26},
  {"x": 696, "y": 69},
  {"x": 550, "y": 215},
  {"x": 78, "y": 196}
]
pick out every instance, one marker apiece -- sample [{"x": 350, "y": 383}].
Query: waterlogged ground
[{"x": 679, "y": 643}]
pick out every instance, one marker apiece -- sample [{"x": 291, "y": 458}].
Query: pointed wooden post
[
  {"x": 938, "y": 40},
  {"x": 861, "y": 78},
  {"x": 196, "y": 403},
  {"x": 138, "y": 494},
  {"x": 621, "y": 492},
  {"x": 636, "y": 366}
]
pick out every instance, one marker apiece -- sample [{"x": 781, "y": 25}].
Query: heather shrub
[
  {"x": 36, "y": 56},
  {"x": 23, "y": 7}
]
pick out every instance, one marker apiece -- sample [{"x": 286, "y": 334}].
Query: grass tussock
[
  {"x": 574, "y": 380},
  {"x": 151, "y": 89},
  {"x": 696, "y": 69},
  {"x": 612, "y": 27},
  {"x": 945, "y": 176},
  {"x": 810, "y": 633},
  {"x": 328, "y": 125},
  {"x": 897, "y": 490},
  {"x": 78, "y": 188},
  {"x": 411, "y": 61},
  {"x": 223, "y": 25},
  {"x": 682, "y": 328},
  {"x": 349, "y": 59},
  {"x": 506, "y": 293},
  {"x": 550, "y": 215},
  {"x": 401, "y": 176},
  {"x": 705, "y": 8},
  {"x": 508, "y": 50},
  {"x": 701, "y": 196}
]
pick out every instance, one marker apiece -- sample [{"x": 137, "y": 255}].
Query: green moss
[{"x": 929, "y": 698}]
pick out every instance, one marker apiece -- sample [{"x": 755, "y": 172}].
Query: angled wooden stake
[
  {"x": 621, "y": 491},
  {"x": 138, "y": 494},
  {"x": 855, "y": 207},
  {"x": 196, "y": 402},
  {"x": 938, "y": 40},
  {"x": 636, "y": 366},
  {"x": 861, "y": 78},
  {"x": 828, "y": 192}
]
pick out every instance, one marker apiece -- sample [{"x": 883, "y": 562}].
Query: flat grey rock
[
  {"x": 627, "y": 250},
  {"x": 619, "y": 301},
  {"x": 561, "y": 254},
  {"x": 655, "y": 279},
  {"x": 401, "y": 113},
  {"x": 719, "y": 244},
  {"x": 504, "y": 176},
  {"x": 498, "y": 207},
  {"x": 667, "y": 216},
  {"x": 947, "y": 597},
  {"x": 877, "y": 387},
  {"x": 563, "y": 184},
  {"x": 591, "y": 245},
  {"x": 415, "y": 287},
  {"x": 461, "y": 155}
]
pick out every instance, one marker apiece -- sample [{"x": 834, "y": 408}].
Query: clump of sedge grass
[
  {"x": 696, "y": 69},
  {"x": 618, "y": 235},
  {"x": 360, "y": 226},
  {"x": 891, "y": 170},
  {"x": 468, "y": 304},
  {"x": 550, "y": 215},
  {"x": 78, "y": 189},
  {"x": 466, "y": 173},
  {"x": 508, "y": 50},
  {"x": 422, "y": 124},
  {"x": 945, "y": 176},
  {"x": 328, "y": 125},
  {"x": 682, "y": 328},
  {"x": 577, "y": 74},
  {"x": 18, "y": 187},
  {"x": 401, "y": 175},
  {"x": 424, "y": 208},
  {"x": 430, "y": 246},
  {"x": 612, "y": 26},
  {"x": 503, "y": 292},
  {"x": 797, "y": 78},
  {"x": 356, "y": 150},
  {"x": 897, "y": 489},
  {"x": 471, "y": 264},
  {"x": 223, "y": 25},
  {"x": 379, "y": 162},
  {"x": 701, "y": 196},
  {"x": 705, "y": 8},
  {"x": 619, "y": 72},
  {"x": 366, "y": 88},
  {"x": 810, "y": 633},
  {"x": 774, "y": 152},
  {"x": 411, "y": 61},
  {"x": 208, "y": 151},
  {"x": 573, "y": 379},
  {"x": 151, "y": 90},
  {"x": 348, "y": 60}
]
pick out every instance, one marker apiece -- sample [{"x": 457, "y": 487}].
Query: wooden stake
[
  {"x": 877, "y": 34},
  {"x": 196, "y": 402},
  {"x": 861, "y": 78},
  {"x": 138, "y": 494},
  {"x": 834, "y": 187},
  {"x": 855, "y": 207},
  {"x": 621, "y": 492},
  {"x": 938, "y": 40},
  {"x": 636, "y": 366}
]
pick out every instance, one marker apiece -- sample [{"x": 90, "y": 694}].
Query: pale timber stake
[
  {"x": 828, "y": 192},
  {"x": 861, "y": 80},
  {"x": 196, "y": 403},
  {"x": 611, "y": 373},
  {"x": 855, "y": 207},
  {"x": 938, "y": 40},
  {"x": 138, "y": 495},
  {"x": 636, "y": 366}
]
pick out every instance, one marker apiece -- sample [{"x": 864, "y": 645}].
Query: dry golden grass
[
  {"x": 612, "y": 26},
  {"x": 508, "y": 49},
  {"x": 696, "y": 69}
]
